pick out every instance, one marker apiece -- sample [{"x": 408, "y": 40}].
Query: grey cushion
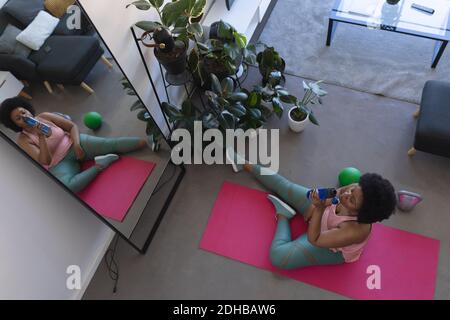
[
  {"x": 4, "y": 21},
  {"x": 7, "y": 41},
  {"x": 24, "y": 11},
  {"x": 9, "y": 44}
]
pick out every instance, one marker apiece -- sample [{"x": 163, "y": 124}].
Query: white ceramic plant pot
[{"x": 297, "y": 126}]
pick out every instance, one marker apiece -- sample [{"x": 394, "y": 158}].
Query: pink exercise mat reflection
[
  {"x": 114, "y": 190},
  {"x": 242, "y": 224}
]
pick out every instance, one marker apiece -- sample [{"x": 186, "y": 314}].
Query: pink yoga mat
[
  {"x": 242, "y": 225},
  {"x": 113, "y": 191}
]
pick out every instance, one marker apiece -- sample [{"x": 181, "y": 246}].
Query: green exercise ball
[
  {"x": 348, "y": 176},
  {"x": 93, "y": 120}
]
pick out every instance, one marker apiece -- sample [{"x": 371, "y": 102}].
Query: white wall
[{"x": 43, "y": 230}]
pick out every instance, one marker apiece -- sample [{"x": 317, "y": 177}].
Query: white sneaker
[
  {"x": 281, "y": 207},
  {"x": 106, "y": 160}
]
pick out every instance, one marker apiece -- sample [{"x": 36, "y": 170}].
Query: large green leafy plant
[
  {"x": 232, "y": 109},
  {"x": 222, "y": 54},
  {"x": 269, "y": 60},
  {"x": 179, "y": 16},
  {"x": 272, "y": 94},
  {"x": 228, "y": 109},
  {"x": 178, "y": 22}
]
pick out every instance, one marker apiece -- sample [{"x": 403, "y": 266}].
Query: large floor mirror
[{"x": 79, "y": 119}]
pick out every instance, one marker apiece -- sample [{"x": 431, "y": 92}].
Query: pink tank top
[
  {"x": 58, "y": 143},
  {"x": 330, "y": 220}
]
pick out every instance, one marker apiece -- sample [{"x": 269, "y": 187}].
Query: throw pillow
[
  {"x": 57, "y": 7},
  {"x": 38, "y": 31},
  {"x": 9, "y": 44},
  {"x": 23, "y": 11}
]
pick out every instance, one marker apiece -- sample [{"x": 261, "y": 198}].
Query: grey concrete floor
[{"x": 357, "y": 129}]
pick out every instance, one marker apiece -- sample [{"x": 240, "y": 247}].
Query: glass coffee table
[{"x": 400, "y": 18}]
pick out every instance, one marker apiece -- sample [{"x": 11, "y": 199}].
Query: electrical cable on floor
[{"x": 111, "y": 264}]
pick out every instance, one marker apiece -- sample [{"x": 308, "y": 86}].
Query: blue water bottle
[
  {"x": 32, "y": 122},
  {"x": 325, "y": 193}
]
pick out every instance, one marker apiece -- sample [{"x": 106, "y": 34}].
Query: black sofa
[
  {"x": 66, "y": 58},
  {"x": 433, "y": 123}
]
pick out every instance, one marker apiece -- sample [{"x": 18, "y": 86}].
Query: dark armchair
[
  {"x": 433, "y": 124},
  {"x": 63, "y": 59}
]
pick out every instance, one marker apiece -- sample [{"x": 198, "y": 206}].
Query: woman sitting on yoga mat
[
  {"x": 336, "y": 233},
  {"x": 62, "y": 152}
]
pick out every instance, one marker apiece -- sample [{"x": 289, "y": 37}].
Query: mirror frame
[{"x": 141, "y": 249}]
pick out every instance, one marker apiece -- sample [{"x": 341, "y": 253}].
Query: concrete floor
[{"x": 357, "y": 129}]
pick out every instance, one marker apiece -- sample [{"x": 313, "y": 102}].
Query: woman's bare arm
[
  {"x": 67, "y": 125},
  {"x": 41, "y": 154},
  {"x": 347, "y": 234}
]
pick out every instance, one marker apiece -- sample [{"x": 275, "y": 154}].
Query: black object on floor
[
  {"x": 111, "y": 264},
  {"x": 433, "y": 130}
]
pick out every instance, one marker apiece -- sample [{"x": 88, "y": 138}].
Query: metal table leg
[
  {"x": 439, "y": 49},
  {"x": 332, "y": 24}
]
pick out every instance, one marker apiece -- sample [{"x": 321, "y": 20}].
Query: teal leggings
[
  {"x": 68, "y": 170},
  {"x": 286, "y": 253}
]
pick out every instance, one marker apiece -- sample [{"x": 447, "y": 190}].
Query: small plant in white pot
[{"x": 301, "y": 114}]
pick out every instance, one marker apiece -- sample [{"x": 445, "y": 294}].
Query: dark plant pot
[
  {"x": 263, "y": 71},
  {"x": 265, "y": 79},
  {"x": 212, "y": 66},
  {"x": 214, "y": 31},
  {"x": 392, "y": 1},
  {"x": 175, "y": 61}
]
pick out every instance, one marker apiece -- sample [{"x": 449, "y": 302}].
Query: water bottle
[
  {"x": 325, "y": 193},
  {"x": 32, "y": 122}
]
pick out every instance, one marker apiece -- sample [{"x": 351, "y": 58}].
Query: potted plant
[
  {"x": 300, "y": 114},
  {"x": 270, "y": 96},
  {"x": 222, "y": 54},
  {"x": 228, "y": 109},
  {"x": 178, "y": 23},
  {"x": 270, "y": 60},
  {"x": 151, "y": 130},
  {"x": 232, "y": 109}
]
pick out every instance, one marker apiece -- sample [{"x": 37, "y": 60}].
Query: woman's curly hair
[
  {"x": 8, "y": 106},
  {"x": 379, "y": 199}
]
